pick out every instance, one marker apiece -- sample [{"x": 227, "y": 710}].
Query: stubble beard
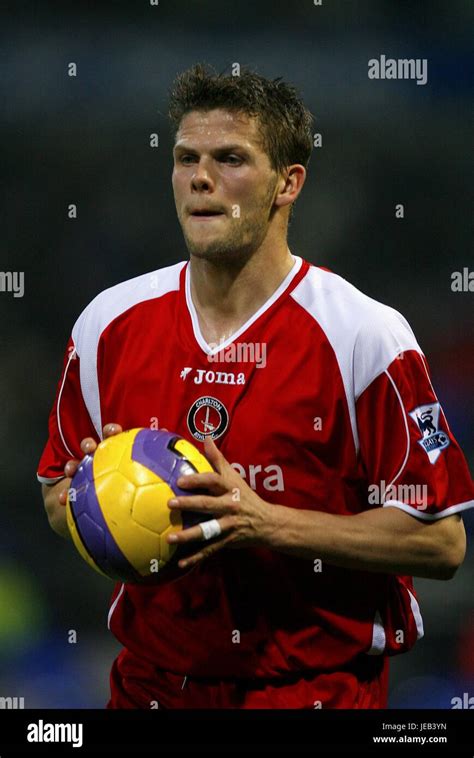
[{"x": 242, "y": 240}]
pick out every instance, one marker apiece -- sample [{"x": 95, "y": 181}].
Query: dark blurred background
[{"x": 86, "y": 140}]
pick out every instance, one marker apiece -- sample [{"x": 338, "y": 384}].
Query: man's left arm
[{"x": 382, "y": 539}]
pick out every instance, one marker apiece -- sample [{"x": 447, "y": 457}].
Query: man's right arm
[
  {"x": 55, "y": 495},
  {"x": 54, "y": 498}
]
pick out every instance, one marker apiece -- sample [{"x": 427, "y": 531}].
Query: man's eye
[
  {"x": 187, "y": 159},
  {"x": 234, "y": 160}
]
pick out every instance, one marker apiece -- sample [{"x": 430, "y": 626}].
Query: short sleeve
[
  {"x": 69, "y": 421},
  {"x": 411, "y": 458}
]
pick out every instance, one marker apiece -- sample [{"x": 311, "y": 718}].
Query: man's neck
[{"x": 226, "y": 297}]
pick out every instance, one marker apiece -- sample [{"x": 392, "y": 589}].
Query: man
[{"x": 337, "y": 477}]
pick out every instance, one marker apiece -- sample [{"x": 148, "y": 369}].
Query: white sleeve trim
[
  {"x": 49, "y": 480},
  {"x": 404, "y": 416},
  {"x": 430, "y": 516},
  {"x": 114, "y": 605},
  {"x": 415, "y": 609},
  {"x": 72, "y": 356},
  {"x": 379, "y": 638}
]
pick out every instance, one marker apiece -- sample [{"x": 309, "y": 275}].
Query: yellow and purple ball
[{"x": 117, "y": 506}]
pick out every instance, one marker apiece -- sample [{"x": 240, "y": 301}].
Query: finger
[
  {"x": 110, "y": 429},
  {"x": 88, "y": 445},
  {"x": 193, "y": 533},
  {"x": 71, "y": 467},
  {"x": 214, "y": 455},
  {"x": 204, "y": 503},
  {"x": 186, "y": 562},
  {"x": 185, "y": 535},
  {"x": 207, "y": 480},
  {"x": 63, "y": 496},
  {"x": 204, "y": 553}
]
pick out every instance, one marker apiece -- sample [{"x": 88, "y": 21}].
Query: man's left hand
[{"x": 242, "y": 515}]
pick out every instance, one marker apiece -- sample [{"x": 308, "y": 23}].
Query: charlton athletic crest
[
  {"x": 433, "y": 440},
  {"x": 207, "y": 417}
]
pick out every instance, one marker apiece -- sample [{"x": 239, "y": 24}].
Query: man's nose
[{"x": 202, "y": 179}]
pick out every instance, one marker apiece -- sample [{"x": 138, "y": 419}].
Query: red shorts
[{"x": 136, "y": 683}]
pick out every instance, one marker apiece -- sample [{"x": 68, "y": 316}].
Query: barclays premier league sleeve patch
[{"x": 433, "y": 440}]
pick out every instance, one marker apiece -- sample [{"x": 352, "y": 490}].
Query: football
[{"x": 117, "y": 505}]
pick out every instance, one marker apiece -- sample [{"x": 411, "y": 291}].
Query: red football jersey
[{"x": 321, "y": 401}]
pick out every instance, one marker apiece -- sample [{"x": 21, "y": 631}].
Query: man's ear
[{"x": 290, "y": 185}]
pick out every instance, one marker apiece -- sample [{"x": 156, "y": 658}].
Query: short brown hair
[{"x": 285, "y": 122}]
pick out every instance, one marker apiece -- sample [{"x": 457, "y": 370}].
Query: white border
[
  {"x": 429, "y": 516},
  {"x": 415, "y": 609},
  {"x": 379, "y": 638},
  {"x": 73, "y": 356},
  {"x": 407, "y": 453},
  {"x": 47, "y": 480},
  {"x": 114, "y": 605}
]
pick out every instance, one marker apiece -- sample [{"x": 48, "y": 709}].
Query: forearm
[
  {"x": 382, "y": 539},
  {"x": 55, "y": 511}
]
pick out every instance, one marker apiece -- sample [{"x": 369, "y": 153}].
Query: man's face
[{"x": 221, "y": 168}]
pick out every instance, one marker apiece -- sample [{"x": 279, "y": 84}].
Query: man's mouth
[{"x": 205, "y": 213}]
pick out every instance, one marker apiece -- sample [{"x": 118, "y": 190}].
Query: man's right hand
[
  {"x": 55, "y": 495},
  {"x": 88, "y": 446}
]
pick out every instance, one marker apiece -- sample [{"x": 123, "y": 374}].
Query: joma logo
[{"x": 213, "y": 377}]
